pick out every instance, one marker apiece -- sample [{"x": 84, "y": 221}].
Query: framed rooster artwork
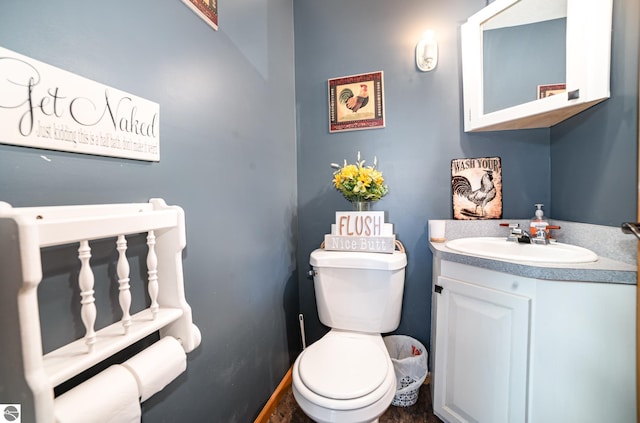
[
  {"x": 206, "y": 9},
  {"x": 476, "y": 186},
  {"x": 356, "y": 102},
  {"x": 548, "y": 90}
]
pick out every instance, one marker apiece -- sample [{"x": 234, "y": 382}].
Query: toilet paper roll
[
  {"x": 109, "y": 397},
  {"x": 155, "y": 367}
]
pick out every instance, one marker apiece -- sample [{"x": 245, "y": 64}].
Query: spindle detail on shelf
[
  {"x": 85, "y": 282},
  {"x": 124, "y": 296},
  {"x": 152, "y": 270}
]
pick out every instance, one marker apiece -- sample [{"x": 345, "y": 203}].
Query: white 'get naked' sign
[{"x": 46, "y": 107}]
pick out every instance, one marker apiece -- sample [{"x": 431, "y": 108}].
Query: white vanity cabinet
[
  {"x": 518, "y": 54},
  {"x": 512, "y": 349}
]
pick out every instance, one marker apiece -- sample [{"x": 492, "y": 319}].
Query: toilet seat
[
  {"x": 359, "y": 351},
  {"x": 343, "y": 367}
]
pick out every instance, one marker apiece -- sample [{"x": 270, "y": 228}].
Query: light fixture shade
[{"x": 427, "y": 52}]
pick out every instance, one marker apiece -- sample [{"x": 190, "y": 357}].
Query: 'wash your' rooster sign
[{"x": 476, "y": 186}]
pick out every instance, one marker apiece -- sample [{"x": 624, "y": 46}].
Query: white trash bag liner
[{"x": 409, "y": 359}]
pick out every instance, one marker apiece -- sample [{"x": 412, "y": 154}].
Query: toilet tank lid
[{"x": 358, "y": 260}]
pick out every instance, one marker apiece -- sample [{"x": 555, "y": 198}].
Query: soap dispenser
[{"x": 538, "y": 223}]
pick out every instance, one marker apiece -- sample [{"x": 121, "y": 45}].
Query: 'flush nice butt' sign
[
  {"x": 46, "y": 107},
  {"x": 360, "y": 231}
]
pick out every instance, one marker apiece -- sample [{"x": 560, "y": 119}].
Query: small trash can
[{"x": 409, "y": 359}]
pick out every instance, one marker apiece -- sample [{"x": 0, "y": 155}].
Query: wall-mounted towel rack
[{"x": 29, "y": 376}]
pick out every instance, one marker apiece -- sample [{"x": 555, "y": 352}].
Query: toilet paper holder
[{"x": 25, "y": 231}]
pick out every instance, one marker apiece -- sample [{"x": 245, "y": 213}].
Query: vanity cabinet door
[{"x": 481, "y": 354}]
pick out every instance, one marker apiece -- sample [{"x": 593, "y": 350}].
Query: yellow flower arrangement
[{"x": 358, "y": 182}]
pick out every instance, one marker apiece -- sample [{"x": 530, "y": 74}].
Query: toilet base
[{"x": 363, "y": 415}]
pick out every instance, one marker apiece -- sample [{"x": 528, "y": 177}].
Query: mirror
[
  {"x": 524, "y": 53},
  {"x": 534, "y": 63}
]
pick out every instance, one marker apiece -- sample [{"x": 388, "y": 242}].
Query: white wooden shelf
[{"x": 72, "y": 359}]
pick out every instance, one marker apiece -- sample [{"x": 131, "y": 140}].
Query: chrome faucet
[
  {"x": 541, "y": 236},
  {"x": 517, "y": 234}
]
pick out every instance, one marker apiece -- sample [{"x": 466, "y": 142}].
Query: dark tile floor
[{"x": 288, "y": 411}]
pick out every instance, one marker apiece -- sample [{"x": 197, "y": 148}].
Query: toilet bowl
[{"x": 345, "y": 377}]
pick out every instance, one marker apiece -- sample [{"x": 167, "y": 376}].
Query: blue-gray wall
[
  {"x": 227, "y": 140},
  {"x": 594, "y": 155},
  {"x": 249, "y": 161},
  {"x": 424, "y": 132}
]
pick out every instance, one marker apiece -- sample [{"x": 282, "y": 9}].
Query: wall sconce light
[{"x": 427, "y": 52}]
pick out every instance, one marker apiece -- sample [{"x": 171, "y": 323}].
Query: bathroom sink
[{"x": 499, "y": 248}]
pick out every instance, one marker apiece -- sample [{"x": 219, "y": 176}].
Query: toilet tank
[{"x": 359, "y": 291}]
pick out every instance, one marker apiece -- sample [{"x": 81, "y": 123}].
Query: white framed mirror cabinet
[{"x": 534, "y": 63}]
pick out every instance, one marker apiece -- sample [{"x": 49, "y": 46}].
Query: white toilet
[{"x": 347, "y": 376}]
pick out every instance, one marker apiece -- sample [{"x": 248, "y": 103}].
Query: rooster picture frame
[
  {"x": 206, "y": 9},
  {"x": 548, "y": 90},
  {"x": 356, "y": 102},
  {"x": 476, "y": 186}
]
